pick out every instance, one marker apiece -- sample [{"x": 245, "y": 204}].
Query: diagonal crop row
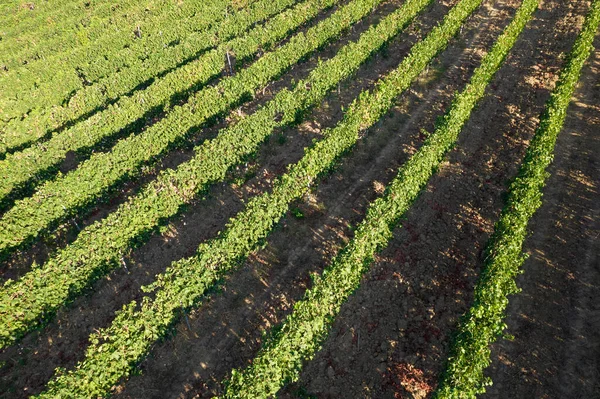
[
  {"x": 24, "y": 304},
  {"x": 26, "y": 50},
  {"x": 19, "y": 20},
  {"x": 15, "y": 11},
  {"x": 15, "y": 16},
  {"x": 53, "y": 78},
  {"x": 484, "y": 321},
  {"x": 62, "y": 198},
  {"x": 68, "y": 31},
  {"x": 37, "y": 163},
  {"x": 114, "y": 351},
  {"x": 90, "y": 99},
  {"x": 303, "y": 332},
  {"x": 143, "y": 73}
]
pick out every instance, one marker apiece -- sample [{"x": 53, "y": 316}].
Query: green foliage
[
  {"x": 14, "y": 16},
  {"x": 184, "y": 283},
  {"x": 52, "y": 78},
  {"x": 75, "y": 24},
  {"x": 63, "y": 198},
  {"x": 170, "y": 60},
  {"x": 297, "y": 213},
  {"x": 484, "y": 322},
  {"x": 34, "y": 298},
  {"x": 302, "y": 333}
]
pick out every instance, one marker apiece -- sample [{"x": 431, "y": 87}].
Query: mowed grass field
[{"x": 299, "y": 199}]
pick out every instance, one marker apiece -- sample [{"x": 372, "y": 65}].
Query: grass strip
[
  {"x": 25, "y": 169},
  {"x": 138, "y": 326},
  {"x": 302, "y": 333},
  {"x": 91, "y": 99},
  {"x": 26, "y": 303},
  {"x": 484, "y": 322},
  {"x": 52, "y": 79}
]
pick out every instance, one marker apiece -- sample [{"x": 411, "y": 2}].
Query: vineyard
[{"x": 300, "y": 199}]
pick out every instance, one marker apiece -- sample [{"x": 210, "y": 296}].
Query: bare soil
[
  {"x": 391, "y": 338},
  {"x": 31, "y": 363},
  {"x": 556, "y": 318}
]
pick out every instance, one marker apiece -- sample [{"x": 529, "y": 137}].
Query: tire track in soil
[
  {"x": 20, "y": 262},
  {"x": 390, "y": 340},
  {"x": 226, "y": 331},
  {"x": 556, "y": 318},
  {"x": 31, "y": 363}
]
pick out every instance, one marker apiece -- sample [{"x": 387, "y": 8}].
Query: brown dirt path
[
  {"x": 391, "y": 338},
  {"x": 556, "y": 318},
  {"x": 389, "y": 341},
  {"x": 227, "y": 331},
  {"x": 28, "y": 365}
]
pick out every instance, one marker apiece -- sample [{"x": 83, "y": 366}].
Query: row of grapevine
[
  {"x": 59, "y": 199},
  {"x": 304, "y": 330},
  {"x": 115, "y": 350},
  {"x": 62, "y": 73},
  {"x": 23, "y": 60},
  {"x": 134, "y": 114},
  {"x": 484, "y": 322},
  {"x": 24, "y": 20},
  {"x": 85, "y": 102},
  {"x": 16, "y": 17},
  {"x": 98, "y": 248},
  {"x": 37, "y": 163},
  {"x": 13, "y": 11},
  {"x": 67, "y": 32}
]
